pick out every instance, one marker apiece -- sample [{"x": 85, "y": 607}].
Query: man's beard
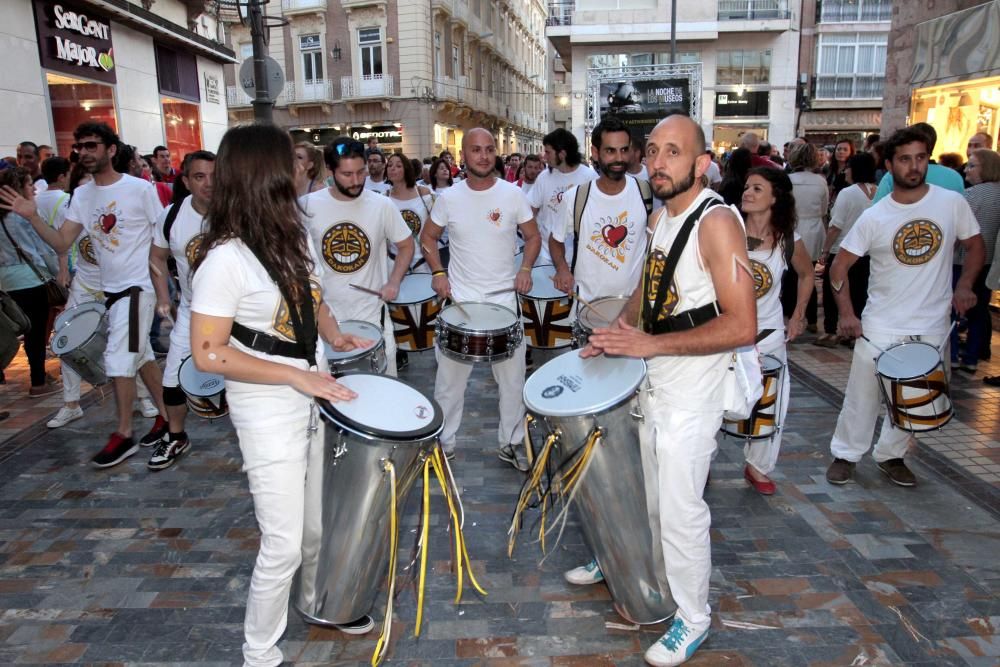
[
  {"x": 347, "y": 192},
  {"x": 674, "y": 189},
  {"x": 902, "y": 185},
  {"x": 613, "y": 175},
  {"x": 480, "y": 174}
]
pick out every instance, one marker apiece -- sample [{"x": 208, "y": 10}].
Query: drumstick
[
  {"x": 500, "y": 291},
  {"x": 366, "y": 290},
  {"x": 869, "y": 340}
]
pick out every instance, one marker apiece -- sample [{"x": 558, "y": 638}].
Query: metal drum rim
[
  {"x": 600, "y": 411},
  {"x": 584, "y": 309},
  {"x": 513, "y": 325},
  {"x": 343, "y": 423},
  {"x": 893, "y": 378},
  {"x": 190, "y": 358},
  {"x": 433, "y": 295},
  {"x": 358, "y": 354}
]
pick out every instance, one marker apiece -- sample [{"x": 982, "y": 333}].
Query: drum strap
[
  {"x": 133, "y": 313},
  {"x": 268, "y": 344}
]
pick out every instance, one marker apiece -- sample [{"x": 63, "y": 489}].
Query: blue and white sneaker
[
  {"x": 585, "y": 574},
  {"x": 675, "y": 647}
]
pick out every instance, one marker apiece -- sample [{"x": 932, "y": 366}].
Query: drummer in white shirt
[{"x": 482, "y": 215}]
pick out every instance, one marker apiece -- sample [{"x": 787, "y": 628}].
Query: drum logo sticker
[
  {"x": 917, "y": 242},
  {"x": 552, "y": 392},
  {"x": 192, "y": 248},
  {"x": 763, "y": 281},
  {"x": 346, "y": 247},
  {"x": 412, "y": 221},
  {"x": 495, "y": 217},
  {"x": 210, "y": 384},
  {"x": 61, "y": 343},
  {"x": 422, "y": 412},
  {"x": 87, "y": 250}
]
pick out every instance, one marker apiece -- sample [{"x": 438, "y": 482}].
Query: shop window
[
  {"x": 177, "y": 73},
  {"x": 743, "y": 67},
  {"x": 75, "y": 101},
  {"x": 182, "y": 123},
  {"x": 851, "y": 66}
]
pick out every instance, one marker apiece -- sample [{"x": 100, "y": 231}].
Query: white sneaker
[
  {"x": 676, "y": 646},
  {"x": 585, "y": 574},
  {"x": 65, "y": 416},
  {"x": 148, "y": 408}
]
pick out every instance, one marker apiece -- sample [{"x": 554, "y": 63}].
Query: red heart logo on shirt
[
  {"x": 614, "y": 235},
  {"x": 108, "y": 222}
]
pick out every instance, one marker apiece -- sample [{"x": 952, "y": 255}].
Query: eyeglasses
[
  {"x": 86, "y": 145},
  {"x": 349, "y": 147}
]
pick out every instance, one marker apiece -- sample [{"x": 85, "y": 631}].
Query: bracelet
[
  {"x": 525, "y": 268},
  {"x": 439, "y": 272}
]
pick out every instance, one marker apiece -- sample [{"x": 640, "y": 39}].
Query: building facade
[
  {"x": 842, "y": 60},
  {"x": 155, "y": 75},
  {"x": 748, "y": 50},
  {"x": 414, "y": 75}
]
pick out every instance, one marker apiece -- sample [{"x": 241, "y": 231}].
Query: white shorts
[
  {"x": 118, "y": 361},
  {"x": 180, "y": 347}
]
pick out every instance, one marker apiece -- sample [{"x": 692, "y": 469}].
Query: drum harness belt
[
  {"x": 111, "y": 298},
  {"x": 691, "y": 318}
]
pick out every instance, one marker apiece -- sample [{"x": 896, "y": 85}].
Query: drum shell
[
  {"x": 611, "y": 503},
  {"x": 354, "y": 542},
  {"x": 371, "y": 360},
  {"x": 468, "y": 344},
  {"x": 763, "y": 422},
  {"x": 917, "y": 401},
  {"x": 87, "y": 359}
]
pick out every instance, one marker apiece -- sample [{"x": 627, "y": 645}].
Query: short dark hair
[
  {"x": 928, "y": 131},
  {"x": 907, "y": 135},
  {"x": 608, "y": 125},
  {"x": 498, "y": 164},
  {"x": 342, "y": 147},
  {"x": 862, "y": 166},
  {"x": 418, "y": 165},
  {"x": 561, "y": 139},
  {"x": 531, "y": 157},
  {"x": 872, "y": 139},
  {"x": 207, "y": 156},
  {"x": 100, "y": 130},
  {"x": 123, "y": 157},
  {"x": 638, "y": 142},
  {"x": 518, "y": 155},
  {"x": 376, "y": 152},
  {"x": 156, "y": 151},
  {"x": 54, "y": 167},
  {"x": 32, "y": 144}
]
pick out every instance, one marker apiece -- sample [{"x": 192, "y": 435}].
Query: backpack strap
[
  {"x": 646, "y": 190},
  {"x": 169, "y": 221},
  {"x": 579, "y": 203}
]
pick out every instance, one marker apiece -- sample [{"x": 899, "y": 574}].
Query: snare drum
[
  {"x": 367, "y": 360},
  {"x": 81, "y": 341},
  {"x": 600, "y": 314},
  {"x": 914, "y": 386},
  {"x": 547, "y": 312},
  {"x": 413, "y": 313},
  {"x": 474, "y": 331},
  {"x": 763, "y": 420},
  {"x": 206, "y": 392},
  {"x": 63, "y": 317}
]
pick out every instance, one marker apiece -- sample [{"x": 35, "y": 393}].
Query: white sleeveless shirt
[{"x": 768, "y": 266}]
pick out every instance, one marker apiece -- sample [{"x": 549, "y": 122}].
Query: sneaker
[
  {"x": 360, "y": 626},
  {"x": 147, "y": 408},
  {"x": 157, "y": 433},
  {"x": 46, "y": 389},
  {"x": 508, "y": 453},
  {"x": 969, "y": 368},
  {"x": 676, "y": 646},
  {"x": 897, "y": 472},
  {"x": 117, "y": 450},
  {"x": 402, "y": 360},
  {"x": 840, "y": 471},
  {"x": 585, "y": 574},
  {"x": 167, "y": 451},
  {"x": 64, "y": 416}
]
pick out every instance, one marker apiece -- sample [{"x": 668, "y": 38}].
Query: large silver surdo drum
[
  {"x": 572, "y": 397},
  {"x": 348, "y": 493}
]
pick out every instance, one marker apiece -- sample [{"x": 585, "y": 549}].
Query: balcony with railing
[
  {"x": 376, "y": 85},
  {"x": 293, "y": 7},
  {"x": 236, "y": 97},
  {"x": 560, "y": 12},
  {"x": 320, "y": 91},
  {"x": 753, "y": 10},
  {"x": 855, "y": 11},
  {"x": 849, "y": 86}
]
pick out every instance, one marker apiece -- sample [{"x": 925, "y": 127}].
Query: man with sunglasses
[
  {"x": 118, "y": 212},
  {"x": 351, "y": 226}
]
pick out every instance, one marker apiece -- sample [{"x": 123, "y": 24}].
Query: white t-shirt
[
  {"x": 527, "y": 187},
  {"x": 186, "y": 235},
  {"x": 415, "y": 213},
  {"x": 482, "y": 227},
  {"x": 232, "y": 283},
  {"x": 119, "y": 219},
  {"x": 612, "y": 240},
  {"x": 382, "y": 187},
  {"x": 547, "y": 197},
  {"x": 812, "y": 200},
  {"x": 910, "y": 245},
  {"x": 351, "y": 239},
  {"x": 768, "y": 266},
  {"x": 714, "y": 173},
  {"x": 851, "y": 203}
]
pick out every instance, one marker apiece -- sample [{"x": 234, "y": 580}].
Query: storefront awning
[{"x": 958, "y": 47}]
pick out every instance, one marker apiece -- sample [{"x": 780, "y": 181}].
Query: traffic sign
[{"x": 275, "y": 78}]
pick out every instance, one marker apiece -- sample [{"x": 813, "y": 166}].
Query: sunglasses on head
[
  {"x": 349, "y": 147},
  {"x": 87, "y": 145}
]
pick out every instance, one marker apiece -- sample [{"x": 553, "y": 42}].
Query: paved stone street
[{"x": 129, "y": 566}]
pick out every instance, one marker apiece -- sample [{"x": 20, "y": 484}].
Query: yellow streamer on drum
[
  {"x": 533, "y": 485},
  {"x": 382, "y": 646}
]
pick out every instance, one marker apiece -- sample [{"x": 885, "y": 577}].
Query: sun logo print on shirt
[
  {"x": 763, "y": 281},
  {"x": 917, "y": 242},
  {"x": 655, "y": 264},
  {"x": 412, "y": 221},
  {"x": 346, "y": 247},
  {"x": 613, "y": 239},
  {"x": 192, "y": 248},
  {"x": 282, "y": 319},
  {"x": 87, "y": 250},
  {"x": 495, "y": 217}
]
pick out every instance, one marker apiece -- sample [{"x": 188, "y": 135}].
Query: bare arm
[
  {"x": 832, "y": 234},
  {"x": 802, "y": 264},
  {"x": 405, "y": 250},
  {"x": 158, "y": 272},
  {"x": 330, "y": 331},
  {"x": 848, "y": 323},
  {"x": 429, "y": 237},
  {"x": 60, "y": 239},
  {"x": 563, "y": 277},
  {"x": 532, "y": 246}
]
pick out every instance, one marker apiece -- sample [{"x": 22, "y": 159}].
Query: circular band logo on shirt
[
  {"x": 917, "y": 242},
  {"x": 763, "y": 281},
  {"x": 87, "y": 250},
  {"x": 192, "y": 248},
  {"x": 346, "y": 248},
  {"x": 412, "y": 221}
]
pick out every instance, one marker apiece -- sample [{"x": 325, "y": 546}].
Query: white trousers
[
  {"x": 449, "y": 391},
  {"x": 278, "y": 491},
  {"x": 389, "y": 336},
  {"x": 677, "y": 447},
  {"x": 763, "y": 454},
  {"x": 863, "y": 404},
  {"x": 180, "y": 347}
]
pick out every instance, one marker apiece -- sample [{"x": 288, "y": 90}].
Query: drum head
[
  {"x": 198, "y": 383},
  {"x": 478, "y": 316},
  {"x": 386, "y": 408},
  {"x": 602, "y": 312},
  {"x": 542, "y": 286},
  {"x": 77, "y": 330},
  {"x": 68, "y": 314},
  {"x": 770, "y": 364},
  {"x": 908, "y": 360},
  {"x": 569, "y": 385},
  {"x": 356, "y": 328},
  {"x": 415, "y": 288}
]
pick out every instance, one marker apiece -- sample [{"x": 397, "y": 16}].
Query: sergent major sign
[{"x": 74, "y": 41}]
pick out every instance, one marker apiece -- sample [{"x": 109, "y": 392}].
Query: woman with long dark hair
[
  {"x": 773, "y": 245},
  {"x": 735, "y": 177},
  {"x": 836, "y": 175},
  {"x": 413, "y": 201},
  {"x": 440, "y": 175},
  {"x": 256, "y": 312}
]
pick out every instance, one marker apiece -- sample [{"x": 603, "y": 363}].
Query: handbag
[
  {"x": 56, "y": 294},
  {"x": 12, "y": 318},
  {"x": 748, "y": 385}
]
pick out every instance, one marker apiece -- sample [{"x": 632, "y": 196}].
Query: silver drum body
[
  {"x": 610, "y": 499},
  {"x": 347, "y": 524},
  {"x": 368, "y": 360},
  {"x": 81, "y": 340}
]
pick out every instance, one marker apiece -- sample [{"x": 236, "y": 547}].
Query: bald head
[
  {"x": 479, "y": 151},
  {"x": 684, "y": 125},
  {"x": 477, "y": 135},
  {"x": 675, "y": 157},
  {"x": 977, "y": 142}
]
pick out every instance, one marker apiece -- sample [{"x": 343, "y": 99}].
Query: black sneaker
[
  {"x": 897, "y": 472},
  {"x": 840, "y": 472},
  {"x": 360, "y": 626},
  {"x": 402, "y": 360},
  {"x": 167, "y": 451},
  {"x": 117, "y": 450},
  {"x": 157, "y": 433},
  {"x": 508, "y": 453}
]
